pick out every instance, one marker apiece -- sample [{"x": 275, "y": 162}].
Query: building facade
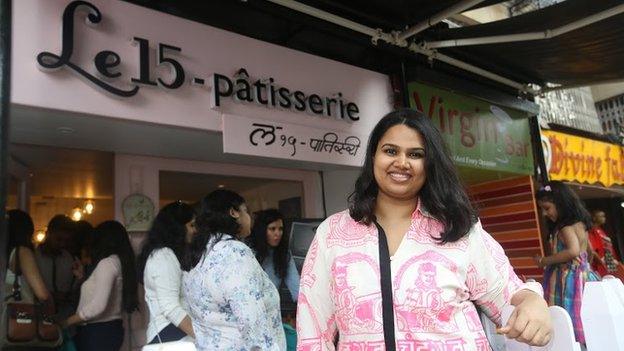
[{"x": 611, "y": 112}]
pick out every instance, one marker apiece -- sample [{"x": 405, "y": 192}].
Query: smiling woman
[
  {"x": 399, "y": 163},
  {"x": 408, "y": 263},
  {"x": 406, "y": 144}
]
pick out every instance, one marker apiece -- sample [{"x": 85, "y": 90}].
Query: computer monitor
[{"x": 302, "y": 232}]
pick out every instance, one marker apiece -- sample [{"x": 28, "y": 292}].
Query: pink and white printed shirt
[{"x": 435, "y": 288}]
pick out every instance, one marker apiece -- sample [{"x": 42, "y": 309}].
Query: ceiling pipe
[
  {"x": 439, "y": 17},
  {"x": 393, "y": 38},
  {"x": 547, "y": 34},
  {"x": 432, "y": 54}
]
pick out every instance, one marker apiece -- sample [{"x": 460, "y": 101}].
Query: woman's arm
[
  {"x": 316, "y": 323},
  {"x": 242, "y": 286},
  {"x": 104, "y": 276},
  {"x": 187, "y": 326},
  {"x": 165, "y": 276},
  {"x": 292, "y": 278},
  {"x": 72, "y": 320},
  {"x": 31, "y": 273},
  {"x": 572, "y": 248},
  {"x": 493, "y": 284}
]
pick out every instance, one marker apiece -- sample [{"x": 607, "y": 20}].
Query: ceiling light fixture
[
  {"x": 76, "y": 214},
  {"x": 89, "y": 207},
  {"x": 40, "y": 236}
]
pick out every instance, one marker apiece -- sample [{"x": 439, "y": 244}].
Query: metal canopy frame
[
  {"x": 546, "y": 34},
  {"x": 429, "y": 49}
]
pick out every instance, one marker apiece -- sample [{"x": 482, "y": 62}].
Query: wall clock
[{"x": 138, "y": 212}]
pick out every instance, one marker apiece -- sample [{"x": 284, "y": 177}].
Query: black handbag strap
[
  {"x": 54, "y": 287},
  {"x": 385, "y": 275},
  {"x": 16, "y": 294}
]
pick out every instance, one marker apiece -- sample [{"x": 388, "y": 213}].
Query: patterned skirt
[{"x": 563, "y": 286}]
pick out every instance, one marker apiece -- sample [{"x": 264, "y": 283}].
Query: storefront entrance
[{"x": 259, "y": 194}]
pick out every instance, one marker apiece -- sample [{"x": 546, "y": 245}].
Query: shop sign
[
  {"x": 247, "y": 136},
  {"x": 240, "y": 87},
  {"x": 573, "y": 158},
  {"x": 478, "y": 134}
]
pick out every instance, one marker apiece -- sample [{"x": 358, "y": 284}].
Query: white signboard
[
  {"x": 158, "y": 68},
  {"x": 247, "y": 136}
]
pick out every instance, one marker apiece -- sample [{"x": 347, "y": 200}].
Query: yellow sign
[{"x": 582, "y": 160}]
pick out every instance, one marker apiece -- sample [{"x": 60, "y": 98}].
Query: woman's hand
[
  {"x": 290, "y": 319},
  {"x": 539, "y": 260},
  {"x": 530, "y": 321},
  {"x": 78, "y": 269},
  {"x": 63, "y": 324},
  {"x": 72, "y": 320}
]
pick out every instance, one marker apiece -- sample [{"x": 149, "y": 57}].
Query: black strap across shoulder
[
  {"x": 16, "y": 293},
  {"x": 385, "y": 275}
]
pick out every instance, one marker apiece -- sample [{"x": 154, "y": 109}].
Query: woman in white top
[
  {"x": 110, "y": 290},
  {"x": 231, "y": 300},
  {"x": 161, "y": 274}
]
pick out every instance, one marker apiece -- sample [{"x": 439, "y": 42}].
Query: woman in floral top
[
  {"x": 405, "y": 267},
  {"x": 232, "y": 302}
]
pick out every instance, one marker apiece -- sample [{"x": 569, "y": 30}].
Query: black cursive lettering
[
  {"x": 267, "y": 130},
  {"x": 50, "y": 61}
]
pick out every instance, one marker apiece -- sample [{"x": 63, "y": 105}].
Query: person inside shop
[
  {"x": 409, "y": 262},
  {"x": 57, "y": 264},
  {"x": 272, "y": 251},
  {"x": 20, "y": 228},
  {"x": 161, "y": 273},
  {"x": 23, "y": 269},
  {"x": 83, "y": 240},
  {"x": 603, "y": 258},
  {"x": 567, "y": 268},
  {"x": 233, "y": 304},
  {"x": 108, "y": 293},
  {"x": 271, "y": 248}
]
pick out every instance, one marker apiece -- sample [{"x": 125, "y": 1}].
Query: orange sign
[{"x": 582, "y": 160}]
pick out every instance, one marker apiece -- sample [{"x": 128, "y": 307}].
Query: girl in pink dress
[{"x": 407, "y": 265}]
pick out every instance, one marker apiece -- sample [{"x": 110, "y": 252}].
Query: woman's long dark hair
[
  {"x": 20, "y": 227},
  {"x": 260, "y": 245},
  {"x": 168, "y": 230},
  {"x": 82, "y": 238},
  {"x": 111, "y": 238},
  {"x": 213, "y": 220},
  {"x": 570, "y": 208},
  {"x": 442, "y": 195}
]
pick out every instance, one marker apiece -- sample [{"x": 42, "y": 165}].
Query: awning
[
  {"x": 589, "y": 55},
  {"x": 342, "y": 30}
]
